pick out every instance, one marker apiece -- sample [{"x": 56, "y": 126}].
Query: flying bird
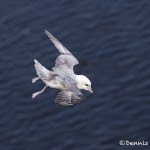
[{"x": 62, "y": 77}]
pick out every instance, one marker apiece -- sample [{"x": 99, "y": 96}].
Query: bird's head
[{"x": 84, "y": 83}]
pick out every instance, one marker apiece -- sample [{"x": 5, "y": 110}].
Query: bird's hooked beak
[{"x": 90, "y": 90}]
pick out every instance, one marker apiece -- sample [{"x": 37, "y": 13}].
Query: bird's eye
[{"x": 86, "y": 84}]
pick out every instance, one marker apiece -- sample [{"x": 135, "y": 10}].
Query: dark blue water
[{"x": 111, "y": 39}]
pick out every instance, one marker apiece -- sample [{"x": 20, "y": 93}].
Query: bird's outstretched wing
[
  {"x": 57, "y": 44},
  {"x": 67, "y": 98},
  {"x": 65, "y": 61}
]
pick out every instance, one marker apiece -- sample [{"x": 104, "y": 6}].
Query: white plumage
[{"x": 62, "y": 76}]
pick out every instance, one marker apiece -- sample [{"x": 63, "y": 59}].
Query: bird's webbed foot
[
  {"x": 38, "y": 93},
  {"x": 35, "y": 79}
]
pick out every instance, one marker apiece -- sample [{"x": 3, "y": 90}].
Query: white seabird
[{"x": 62, "y": 76}]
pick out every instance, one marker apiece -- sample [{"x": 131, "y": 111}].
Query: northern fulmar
[{"x": 62, "y": 76}]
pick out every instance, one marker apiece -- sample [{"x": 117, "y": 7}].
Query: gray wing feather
[
  {"x": 63, "y": 98},
  {"x": 72, "y": 95},
  {"x": 64, "y": 65},
  {"x": 57, "y": 44},
  {"x": 66, "y": 61},
  {"x": 43, "y": 73},
  {"x": 67, "y": 98}
]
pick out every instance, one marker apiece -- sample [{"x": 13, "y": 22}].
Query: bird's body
[
  {"x": 62, "y": 76},
  {"x": 56, "y": 84}
]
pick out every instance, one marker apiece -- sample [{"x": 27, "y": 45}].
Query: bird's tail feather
[{"x": 42, "y": 72}]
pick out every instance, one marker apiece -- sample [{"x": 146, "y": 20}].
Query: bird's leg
[
  {"x": 35, "y": 79},
  {"x": 37, "y": 93}
]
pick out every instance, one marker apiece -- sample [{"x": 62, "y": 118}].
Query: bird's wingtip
[{"x": 46, "y": 32}]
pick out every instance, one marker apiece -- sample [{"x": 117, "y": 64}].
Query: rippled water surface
[{"x": 111, "y": 39}]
